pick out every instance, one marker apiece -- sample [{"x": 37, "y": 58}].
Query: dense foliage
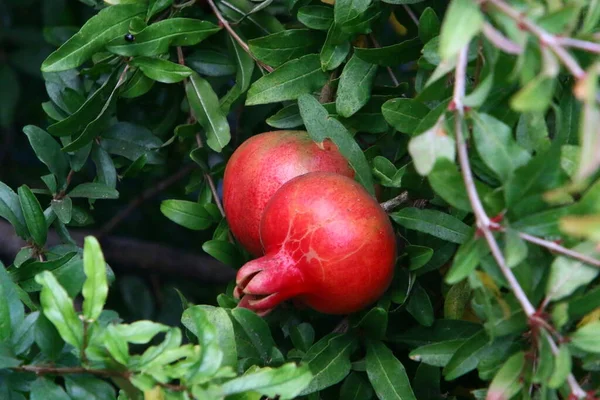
[{"x": 475, "y": 122}]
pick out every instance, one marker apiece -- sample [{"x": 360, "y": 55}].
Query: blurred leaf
[
  {"x": 429, "y": 25},
  {"x": 430, "y": 146},
  {"x": 58, "y": 308},
  {"x": 354, "y": 88},
  {"x": 34, "y": 216},
  {"x": 205, "y": 107},
  {"x": 462, "y": 22},
  {"x": 94, "y": 190},
  {"x": 188, "y": 214},
  {"x": 535, "y": 96},
  {"x": 436, "y": 354},
  {"x": 562, "y": 367},
  {"x": 91, "y": 38},
  {"x": 10, "y": 209},
  {"x": 156, "y": 38},
  {"x": 156, "y": 6},
  {"x": 386, "y": 373},
  {"x": 532, "y": 132},
  {"x": 95, "y": 288},
  {"x": 567, "y": 274},
  {"x": 495, "y": 144},
  {"x": 515, "y": 249},
  {"x": 11, "y": 92},
  {"x": 320, "y": 126},
  {"x": 140, "y": 332},
  {"x": 281, "y": 47},
  {"x": 285, "y": 382},
  {"x": 161, "y": 70},
  {"x": 355, "y": 387},
  {"x": 44, "y": 389},
  {"x": 329, "y": 361},
  {"x": 507, "y": 382},
  {"x": 82, "y": 387},
  {"x": 316, "y": 17},
  {"x": 446, "y": 180},
  {"x": 419, "y": 305},
  {"x": 404, "y": 114},
  {"x": 288, "y": 82},
  {"x": 390, "y": 56},
  {"x": 433, "y": 222}
]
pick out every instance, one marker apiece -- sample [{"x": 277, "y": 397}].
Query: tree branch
[
  {"x": 411, "y": 14},
  {"x": 235, "y": 36},
  {"x": 389, "y": 69},
  {"x": 545, "y": 38},
  {"x": 390, "y": 204}
]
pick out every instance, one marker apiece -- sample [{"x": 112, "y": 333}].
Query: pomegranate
[
  {"x": 259, "y": 167},
  {"x": 328, "y": 244}
]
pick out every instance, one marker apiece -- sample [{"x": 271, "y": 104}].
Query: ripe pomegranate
[
  {"x": 259, "y": 167},
  {"x": 328, "y": 244}
]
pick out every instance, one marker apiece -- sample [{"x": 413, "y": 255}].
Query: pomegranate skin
[
  {"x": 328, "y": 243},
  {"x": 259, "y": 167}
]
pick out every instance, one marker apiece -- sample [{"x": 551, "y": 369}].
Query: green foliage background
[{"x": 478, "y": 120}]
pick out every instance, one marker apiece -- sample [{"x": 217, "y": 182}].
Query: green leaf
[
  {"x": 515, "y": 248},
  {"x": 48, "y": 151},
  {"x": 496, "y": 146},
  {"x": 257, "y": 331},
  {"x": 507, "y": 382},
  {"x": 456, "y": 301},
  {"x": 223, "y": 251},
  {"x": 205, "y": 107},
  {"x": 355, "y": 387},
  {"x": 210, "y": 63},
  {"x": 95, "y": 287},
  {"x": 116, "y": 345},
  {"x": 316, "y": 17},
  {"x": 418, "y": 255},
  {"x": 156, "y": 6},
  {"x": 374, "y": 323},
  {"x": 463, "y": 20},
  {"x": 91, "y": 38},
  {"x": 466, "y": 260},
  {"x": 347, "y": 10},
  {"x": 429, "y": 25},
  {"x": 354, "y": 88},
  {"x": 568, "y": 274},
  {"x": 320, "y": 126},
  {"x": 286, "y": 118},
  {"x": 440, "y": 331},
  {"x": 535, "y": 96},
  {"x": 156, "y": 38},
  {"x": 285, "y": 382},
  {"x": 82, "y": 387},
  {"x": 58, "y": 308},
  {"x": 63, "y": 209},
  {"x": 94, "y": 190},
  {"x": 105, "y": 168},
  {"x": 419, "y": 306},
  {"x": 386, "y": 373},
  {"x": 219, "y": 318},
  {"x": 131, "y": 141},
  {"x": 262, "y": 21},
  {"x": 448, "y": 183},
  {"x": 389, "y": 56},
  {"x": 10, "y": 209},
  {"x": 429, "y": 147},
  {"x": 138, "y": 85},
  {"x": 329, "y": 361},
  {"x": 47, "y": 338},
  {"x": 281, "y": 47},
  {"x": 88, "y": 112},
  {"x": 288, "y": 82},
  {"x": 34, "y": 216},
  {"x": 140, "y": 332},
  {"x": 161, "y": 70},
  {"x": 562, "y": 367},
  {"x": 532, "y": 132},
  {"x": 436, "y": 354},
  {"x": 302, "y": 335},
  {"x": 467, "y": 356},
  {"x": 335, "y": 49},
  {"x": 404, "y": 114},
  {"x": 44, "y": 389},
  {"x": 11, "y": 308},
  {"x": 433, "y": 222},
  {"x": 188, "y": 214},
  {"x": 31, "y": 269}
]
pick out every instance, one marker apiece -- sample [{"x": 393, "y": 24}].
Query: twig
[
  {"x": 578, "y": 44},
  {"x": 234, "y": 34},
  {"x": 500, "y": 41},
  {"x": 390, "y": 204},
  {"x": 389, "y": 69},
  {"x": 544, "y": 37},
  {"x": 411, "y": 14},
  {"x": 555, "y": 247},
  {"x": 483, "y": 221},
  {"x": 146, "y": 195}
]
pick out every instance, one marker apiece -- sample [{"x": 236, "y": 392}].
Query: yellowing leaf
[
  {"x": 585, "y": 226},
  {"x": 590, "y": 317},
  {"x": 397, "y": 26}
]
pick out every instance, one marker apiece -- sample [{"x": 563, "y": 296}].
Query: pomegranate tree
[
  {"x": 259, "y": 167},
  {"x": 328, "y": 244}
]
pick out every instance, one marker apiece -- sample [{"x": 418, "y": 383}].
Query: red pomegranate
[
  {"x": 328, "y": 244},
  {"x": 259, "y": 167}
]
